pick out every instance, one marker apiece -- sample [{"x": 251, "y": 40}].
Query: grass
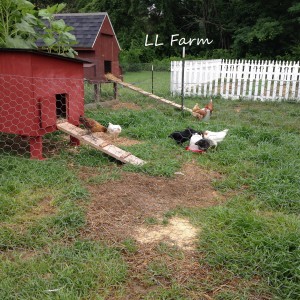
[{"x": 252, "y": 240}]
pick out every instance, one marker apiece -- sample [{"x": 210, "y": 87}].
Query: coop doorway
[
  {"x": 107, "y": 66},
  {"x": 61, "y": 105}
]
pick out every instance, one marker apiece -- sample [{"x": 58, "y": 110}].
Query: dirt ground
[{"x": 121, "y": 209}]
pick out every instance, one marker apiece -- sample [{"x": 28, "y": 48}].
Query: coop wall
[
  {"x": 64, "y": 77},
  {"x": 29, "y": 84}
]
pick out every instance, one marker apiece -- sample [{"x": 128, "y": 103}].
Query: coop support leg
[
  {"x": 74, "y": 141},
  {"x": 96, "y": 93},
  {"x": 115, "y": 90},
  {"x": 36, "y": 147}
]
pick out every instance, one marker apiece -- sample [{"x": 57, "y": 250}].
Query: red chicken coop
[
  {"x": 97, "y": 43},
  {"x": 37, "y": 89}
]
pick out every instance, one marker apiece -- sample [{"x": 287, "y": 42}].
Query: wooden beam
[
  {"x": 99, "y": 143},
  {"x": 112, "y": 78}
]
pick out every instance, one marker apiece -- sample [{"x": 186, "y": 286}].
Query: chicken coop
[
  {"x": 97, "y": 43},
  {"x": 37, "y": 89}
]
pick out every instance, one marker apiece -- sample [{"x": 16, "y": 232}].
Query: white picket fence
[{"x": 259, "y": 80}]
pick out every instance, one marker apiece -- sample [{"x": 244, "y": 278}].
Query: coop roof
[
  {"x": 42, "y": 53},
  {"x": 86, "y": 26}
]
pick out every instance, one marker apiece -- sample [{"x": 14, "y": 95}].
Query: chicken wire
[{"x": 30, "y": 108}]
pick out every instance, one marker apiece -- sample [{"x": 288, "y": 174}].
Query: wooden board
[
  {"x": 99, "y": 143},
  {"x": 111, "y": 77}
]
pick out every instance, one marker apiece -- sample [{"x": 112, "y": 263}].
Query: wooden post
[
  {"x": 115, "y": 90},
  {"x": 96, "y": 93}
]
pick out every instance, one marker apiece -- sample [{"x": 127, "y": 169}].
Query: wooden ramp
[
  {"x": 99, "y": 143},
  {"x": 112, "y": 78}
]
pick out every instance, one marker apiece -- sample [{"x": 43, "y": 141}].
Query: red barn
[
  {"x": 36, "y": 89},
  {"x": 97, "y": 43}
]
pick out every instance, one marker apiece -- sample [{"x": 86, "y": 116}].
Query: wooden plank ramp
[
  {"x": 99, "y": 143},
  {"x": 113, "y": 78}
]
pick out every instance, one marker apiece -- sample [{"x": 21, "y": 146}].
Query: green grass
[
  {"x": 74, "y": 271},
  {"x": 253, "y": 237}
]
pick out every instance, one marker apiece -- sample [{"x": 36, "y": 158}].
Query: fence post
[
  {"x": 152, "y": 79},
  {"x": 182, "y": 78}
]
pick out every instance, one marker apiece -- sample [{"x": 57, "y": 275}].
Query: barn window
[
  {"x": 107, "y": 66},
  {"x": 61, "y": 105}
]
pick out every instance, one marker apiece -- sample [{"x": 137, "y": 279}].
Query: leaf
[
  {"x": 25, "y": 27},
  {"x": 58, "y": 25},
  {"x": 17, "y": 42},
  {"x": 56, "y": 8},
  {"x": 30, "y": 19},
  {"x": 70, "y": 36},
  {"x": 24, "y": 5},
  {"x": 60, "y": 7},
  {"x": 49, "y": 41},
  {"x": 45, "y": 14}
]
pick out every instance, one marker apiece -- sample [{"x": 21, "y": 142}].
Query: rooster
[
  {"x": 114, "y": 130},
  {"x": 92, "y": 125},
  {"x": 203, "y": 113}
]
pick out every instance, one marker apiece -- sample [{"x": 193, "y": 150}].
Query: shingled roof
[{"x": 86, "y": 26}]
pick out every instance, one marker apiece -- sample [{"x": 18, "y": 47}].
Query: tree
[
  {"x": 21, "y": 25},
  {"x": 238, "y": 28},
  {"x": 17, "y": 21}
]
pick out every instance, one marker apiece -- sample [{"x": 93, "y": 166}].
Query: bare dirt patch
[
  {"x": 179, "y": 232},
  {"x": 121, "y": 206}
]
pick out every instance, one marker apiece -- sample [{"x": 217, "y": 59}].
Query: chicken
[
  {"x": 92, "y": 125},
  {"x": 114, "y": 130},
  {"x": 205, "y": 144},
  {"x": 194, "y": 139},
  {"x": 203, "y": 113},
  {"x": 215, "y": 137},
  {"x": 210, "y": 106},
  {"x": 183, "y": 136}
]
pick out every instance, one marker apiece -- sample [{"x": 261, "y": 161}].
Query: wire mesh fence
[
  {"x": 152, "y": 78},
  {"x": 31, "y": 107}
]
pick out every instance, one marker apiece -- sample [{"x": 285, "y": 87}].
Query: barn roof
[{"x": 86, "y": 26}]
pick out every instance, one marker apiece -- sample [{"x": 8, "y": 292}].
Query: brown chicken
[
  {"x": 210, "y": 106},
  {"x": 92, "y": 125},
  {"x": 203, "y": 113}
]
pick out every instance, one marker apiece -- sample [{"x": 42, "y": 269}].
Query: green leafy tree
[
  {"x": 21, "y": 25},
  {"x": 238, "y": 28},
  {"x": 56, "y": 33},
  {"x": 17, "y": 21}
]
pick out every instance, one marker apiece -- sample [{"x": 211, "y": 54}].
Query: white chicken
[
  {"x": 215, "y": 137},
  {"x": 194, "y": 139},
  {"x": 114, "y": 130}
]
